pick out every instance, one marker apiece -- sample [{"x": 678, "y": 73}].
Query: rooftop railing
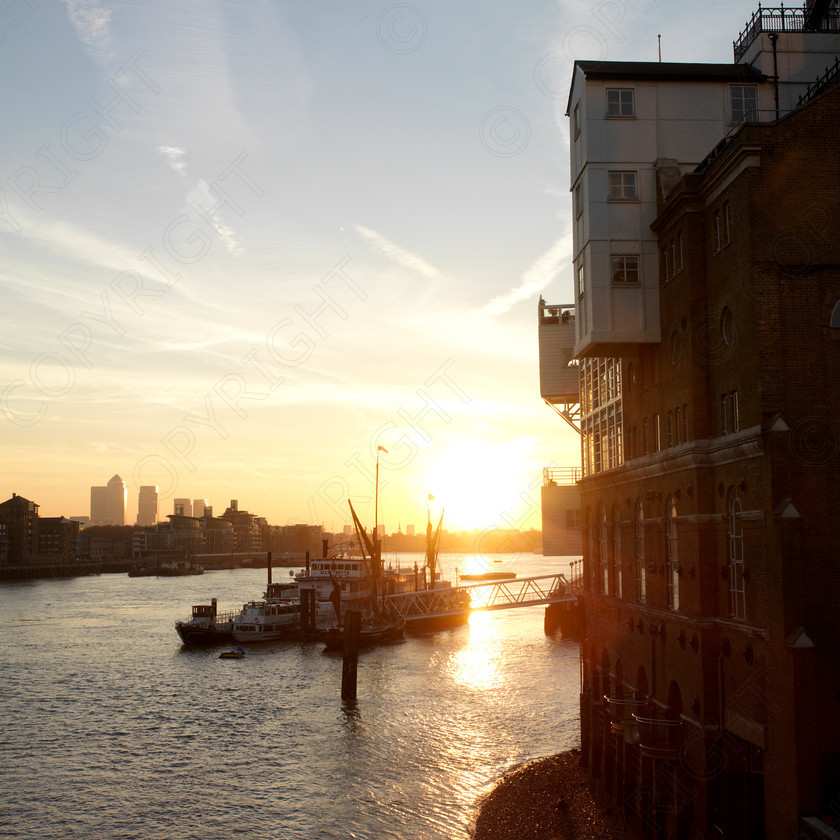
[
  {"x": 784, "y": 19},
  {"x": 561, "y": 475},
  {"x": 831, "y": 78}
]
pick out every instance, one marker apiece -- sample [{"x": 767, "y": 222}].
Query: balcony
[
  {"x": 782, "y": 19},
  {"x": 622, "y": 716},
  {"x": 559, "y": 378},
  {"x": 660, "y": 737}
]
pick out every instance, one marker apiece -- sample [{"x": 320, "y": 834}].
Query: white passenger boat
[{"x": 275, "y": 618}]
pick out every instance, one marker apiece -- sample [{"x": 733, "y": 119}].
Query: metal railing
[
  {"x": 561, "y": 475},
  {"x": 829, "y": 79},
  {"x": 660, "y": 737},
  {"x": 783, "y": 19},
  {"x": 495, "y": 595},
  {"x": 576, "y": 574}
]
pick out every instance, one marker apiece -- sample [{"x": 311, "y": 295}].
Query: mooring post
[{"x": 350, "y": 662}]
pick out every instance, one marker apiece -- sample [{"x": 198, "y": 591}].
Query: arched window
[
  {"x": 603, "y": 548},
  {"x": 672, "y": 574},
  {"x": 737, "y": 595},
  {"x": 640, "y": 552},
  {"x": 591, "y": 565},
  {"x": 617, "y": 589}
]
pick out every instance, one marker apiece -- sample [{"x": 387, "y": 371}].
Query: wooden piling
[{"x": 349, "y": 665}]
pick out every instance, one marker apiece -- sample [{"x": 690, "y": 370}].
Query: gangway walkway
[{"x": 485, "y": 596}]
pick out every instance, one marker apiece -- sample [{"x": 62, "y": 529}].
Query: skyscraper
[
  {"x": 107, "y": 504},
  {"x": 147, "y": 505},
  {"x": 182, "y": 507}
]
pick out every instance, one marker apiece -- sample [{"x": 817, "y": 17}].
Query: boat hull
[
  {"x": 388, "y": 634},
  {"x": 204, "y": 635},
  {"x": 434, "y": 623}
]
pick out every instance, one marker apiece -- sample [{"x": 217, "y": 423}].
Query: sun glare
[{"x": 481, "y": 486}]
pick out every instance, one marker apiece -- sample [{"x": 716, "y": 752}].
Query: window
[
  {"x": 743, "y": 100},
  {"x": 625, "y": 269},
  {"x": 620, "y": 102},
  {"x": 678, "y": 425},
  {"x": 672, "y": 572},
  {"x": 679, "y": 252},
  {"x": 573, "y": 518},
  {"x": 727, "y": 333},
  {"x": 640, "y": 552},
  {"x": 617, "y": 589},
  {"x": 675, "y": 347},
  {"x": 725, "y": 231},
  {"x": 623, "y": 186},
  {"x": 578, "y": 201},
  {"x": 666, "y": 265},
  {"x": 730, "y": 413},
  {"x": 580, "y": 281},
  {"x": 645, "y": 436},
  {"x": 737, "y": 595},
  {"x": 673, "y": 258},
  {"x": 657, "y": 439},
  {"x": 716, "y": 240},
  {"x": 603, "y": 552},
  {"x": 576, "y": 119},
  {"x": 670, "y": 429}
]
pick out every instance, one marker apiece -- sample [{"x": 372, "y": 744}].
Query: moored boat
[
  {"x": 269, "y": 620},
  {"x": 206, "y": 626},
  {"x": 387, "y": 631}
]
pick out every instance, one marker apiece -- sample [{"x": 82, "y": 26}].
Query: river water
[{"x": 113, "y": 730}]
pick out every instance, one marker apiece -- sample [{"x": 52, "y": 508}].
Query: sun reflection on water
[{"x": 477, "y": 664}]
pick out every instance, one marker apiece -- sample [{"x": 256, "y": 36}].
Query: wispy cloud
[
  {"x": 174, "y": 157},
  {"x": 203, "y": 198},
  {"x": 92, "y": 23},
  {"x": 540, "y": 273},
  {"x": 388, "y": 249}
]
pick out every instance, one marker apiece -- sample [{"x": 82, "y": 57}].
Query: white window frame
[
  {"x": 625, "y": 266},
  {"x": 623, "y": 185},
  {"x": 741, "y": 113},
  {"x": 737, "y": 592},
  {"x": 622, "y": 106}
]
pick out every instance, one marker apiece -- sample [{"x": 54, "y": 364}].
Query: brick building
[{"x": 709, "y": 347}]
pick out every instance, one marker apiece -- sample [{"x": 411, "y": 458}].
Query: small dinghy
[{"x": 239, "y": 653}]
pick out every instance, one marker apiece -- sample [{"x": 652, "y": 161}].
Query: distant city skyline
[{"x": 244, "y": 246}]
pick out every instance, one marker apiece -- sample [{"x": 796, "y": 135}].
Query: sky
[{"x": 246, "y": 244}]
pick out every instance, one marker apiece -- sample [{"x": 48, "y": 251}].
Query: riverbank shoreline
[{"x": 548, "y": 799}]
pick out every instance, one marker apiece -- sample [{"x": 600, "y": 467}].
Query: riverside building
[{"x": 707, "y": 336}]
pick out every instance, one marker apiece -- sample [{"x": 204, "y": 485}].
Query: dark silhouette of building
[{"x": 711, "y": 450}]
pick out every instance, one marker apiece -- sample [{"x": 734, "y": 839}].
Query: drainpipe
[{"x": 774, "y": 37}]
